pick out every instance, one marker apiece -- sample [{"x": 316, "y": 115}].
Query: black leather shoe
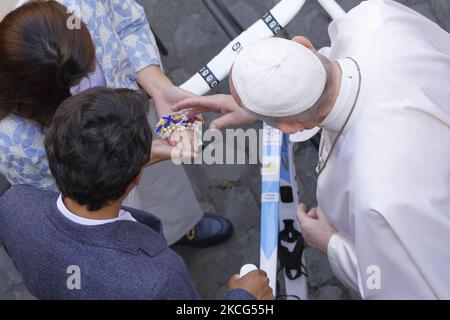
[{"x": 210, "y": 231}]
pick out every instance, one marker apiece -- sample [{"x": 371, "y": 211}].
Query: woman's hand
[
  {"x": 316, "y": 227},
  {"x": 163, "y": 92},
  {"x": 167, "y": 98},
  {"x": 233, "y": 114},
  {"x": 165, "y": 95}
]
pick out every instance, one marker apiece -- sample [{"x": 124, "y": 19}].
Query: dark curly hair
[
  {"x": 98, "y": 143},
  {"x": 40, "y": 60}
]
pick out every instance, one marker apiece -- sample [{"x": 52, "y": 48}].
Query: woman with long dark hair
[{"x": 40, "y": 61}]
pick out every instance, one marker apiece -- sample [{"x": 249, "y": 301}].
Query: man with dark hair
[
  {"x": 83, "y": 244},
  {"x": 104, "y": 138}
]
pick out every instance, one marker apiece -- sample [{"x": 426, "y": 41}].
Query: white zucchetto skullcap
[{"x": 278, "y": 78}]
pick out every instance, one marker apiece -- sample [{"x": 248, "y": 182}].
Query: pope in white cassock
[{"x": 381, "y": 94}]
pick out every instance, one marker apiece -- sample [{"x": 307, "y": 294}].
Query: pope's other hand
[
  {"x": 316, "y": 227},
  {"x": 232, "y": 113},
  {"x": 255, "y": 282}
]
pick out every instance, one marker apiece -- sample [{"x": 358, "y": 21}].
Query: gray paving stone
[
  {"x": 442, "y": 11},
  {"x": 328, "y": 292},
  {"x": 11, "y": 284}
]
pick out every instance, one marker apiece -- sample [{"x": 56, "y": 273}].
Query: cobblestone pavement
[{"x": 192, "y": 38}]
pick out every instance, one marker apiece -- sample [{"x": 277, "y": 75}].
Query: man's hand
[
  {"x": 316, "y": 227},
  {"x": 255, "y": 282},
  {"x": 233, "y": 114}
]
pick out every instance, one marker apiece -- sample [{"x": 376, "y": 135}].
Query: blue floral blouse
[{"x": 124, "y": 45}]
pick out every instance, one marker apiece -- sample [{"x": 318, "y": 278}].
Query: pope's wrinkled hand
[
  {"x": 232, "y": 113},
  {"x": 316, "y": 227}
]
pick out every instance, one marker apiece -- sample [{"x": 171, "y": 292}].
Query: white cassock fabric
[{"x": 387, "y": 184}]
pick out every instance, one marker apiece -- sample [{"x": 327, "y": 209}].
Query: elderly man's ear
[{"x": 304, "y": 42}]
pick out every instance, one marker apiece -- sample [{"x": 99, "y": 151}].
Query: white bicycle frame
[{"x": 217, "y": 70}]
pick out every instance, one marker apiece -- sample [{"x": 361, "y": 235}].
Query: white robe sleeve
[{"x": 343, "y": 261}]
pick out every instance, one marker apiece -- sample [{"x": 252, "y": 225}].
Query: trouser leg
[{"x": 165, "y": 192}]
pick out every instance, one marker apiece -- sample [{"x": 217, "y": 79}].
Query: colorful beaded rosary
[{"x": 178, "y": 121}]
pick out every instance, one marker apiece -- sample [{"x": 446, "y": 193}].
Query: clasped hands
[
  {"x": 316, "y": 227},
  {"x": 185, "y": 143},
  {"x": 181, "y": 144}
]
